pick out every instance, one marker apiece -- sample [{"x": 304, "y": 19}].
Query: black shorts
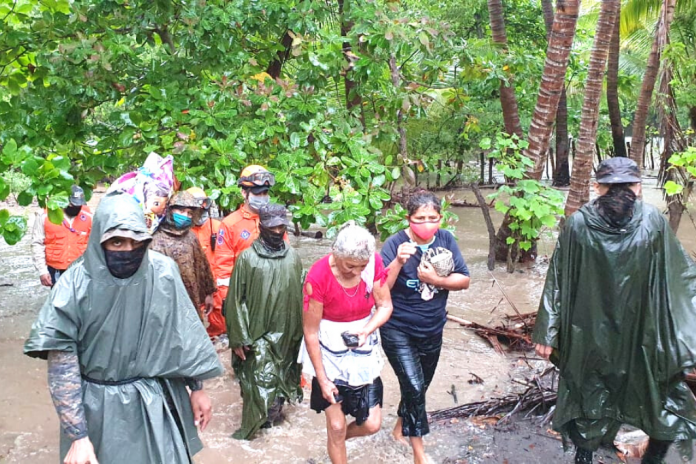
[{"x": 357, "y": 402}]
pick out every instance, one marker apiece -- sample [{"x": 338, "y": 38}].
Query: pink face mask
[{"x": 425, "y": 230}]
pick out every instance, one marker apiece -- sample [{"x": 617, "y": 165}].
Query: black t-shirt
[{"x": 412, "y": 314}]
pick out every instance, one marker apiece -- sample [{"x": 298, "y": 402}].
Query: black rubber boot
[
  {"x": 656, "y": 452},
  {"x": 583, "y": 456}
]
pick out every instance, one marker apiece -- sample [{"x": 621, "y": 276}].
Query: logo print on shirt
[
  {"x": 413, "y": 283},
  {"x": 83, "y": 217},
  {"x": 245, "y": 234},
  {"x": 221, "y": 237}
]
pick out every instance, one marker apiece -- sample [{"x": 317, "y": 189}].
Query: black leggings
[{"x": 414, "y": 360}]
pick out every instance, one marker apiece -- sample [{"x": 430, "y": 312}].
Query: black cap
[
  {"x": 273, "y": 215},
  {"x": 618, "y": 170},
  {"x": 77, "y": 196}
]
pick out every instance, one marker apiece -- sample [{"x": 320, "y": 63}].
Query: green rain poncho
[
  {"x": 263, "y": 310},
  {"x": 619, "y": 307},
  {"x": 143, "y": 327}
]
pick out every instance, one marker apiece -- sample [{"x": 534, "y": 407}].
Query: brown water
[{"x": 29, "y": 427}]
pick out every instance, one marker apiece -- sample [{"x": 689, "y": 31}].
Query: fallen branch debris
[
  {"x": 539, "y": 396},
  {"x": 515, "y": 333}
]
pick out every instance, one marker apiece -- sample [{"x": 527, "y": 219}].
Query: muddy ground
[{"x": 29, "y": 427}]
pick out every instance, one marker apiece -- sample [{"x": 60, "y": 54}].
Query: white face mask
[{"x": 256, "y": 202}]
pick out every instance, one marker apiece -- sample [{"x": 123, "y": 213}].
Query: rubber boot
[
  {"x": 583, "y": 456},
  {"x": 656, "y": 452}
]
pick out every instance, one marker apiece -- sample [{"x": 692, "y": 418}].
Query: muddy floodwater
[{"x": 29, "y": 426}]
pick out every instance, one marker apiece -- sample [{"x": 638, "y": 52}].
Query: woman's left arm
[
  {"x": 454, "y": 281},
  {"x": 384, "y": 306}
]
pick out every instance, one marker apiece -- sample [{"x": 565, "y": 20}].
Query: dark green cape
[
  {"x": 619, "y": 306},
  {"x": 143, "y": 326},
  {"x": 263, "y": 310}
]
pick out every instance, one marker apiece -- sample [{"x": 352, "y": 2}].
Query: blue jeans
[{"x": 414, "y": 360}]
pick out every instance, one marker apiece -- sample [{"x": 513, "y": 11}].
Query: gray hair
[{"x": 353, "y": 242}]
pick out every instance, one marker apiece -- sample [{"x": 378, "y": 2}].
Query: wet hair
[
  {"x": 420, "y": 199},
  {"x": 353, "y": 242},
  {"x": 616, "y": 206}
]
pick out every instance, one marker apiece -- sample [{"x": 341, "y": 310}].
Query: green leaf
[
  {"x": 10, "y": 148},
  {"x": 14, "y": 229},
  {"x": 485, "y": 143},
  {"x": 25, "y": 198},
  {"x": 379, "y": 181},
  {"x": 672, "y": 188},
  {"x": 4, "y": 216},
  {"x": 4, "y": 189},
  {"x": 55, "y": 215},
  {"x": 509, "y": 240}
]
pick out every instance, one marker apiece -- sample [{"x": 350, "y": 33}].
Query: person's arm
[
  {"x": 200, "y": 403},
  {"x": 38, "y": 249},
  {"x": 65, "y": 386},
  {"x": 204, "y": 273},
  {"x": 236, "y": 311},
  {"x": 453, "y": 282},
  {"x": 310, "y": 323},
  {"x": 383, "y": 303}
]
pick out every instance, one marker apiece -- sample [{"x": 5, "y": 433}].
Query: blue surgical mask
[{"x": 181, "y": 221}]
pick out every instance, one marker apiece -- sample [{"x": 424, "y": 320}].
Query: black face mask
[
  {"x": 271, "y": 240},
  {"x": 123, "y": 264},
  {"x": 616, "y": 206},
  {"x": 72, "y": 210}
]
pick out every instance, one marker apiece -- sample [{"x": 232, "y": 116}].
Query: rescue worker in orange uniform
[
  {"x": 206, "y": 230},
  {"x": 55, "y": 246},
  {"x": 239, "y": 229}
]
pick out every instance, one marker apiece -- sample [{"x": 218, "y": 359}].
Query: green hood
[{"x": 143, "y": 331}]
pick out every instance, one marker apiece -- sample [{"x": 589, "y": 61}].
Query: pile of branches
[
  {"x": 539, "y": 397},
  {"x": 515, "y": 331}
]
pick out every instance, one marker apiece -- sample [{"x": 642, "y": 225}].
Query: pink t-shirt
[{"x": 341, "y": 304}]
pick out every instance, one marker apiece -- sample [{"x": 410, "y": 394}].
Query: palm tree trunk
[
  {"x": 508, "y": 101},
  {"x": 561, "y": 176},
  {"x": 276, "y": 66},
  {"x": 552, "y": 83},
  {"x": 561, "y": 173},
  {"x": 646, "y": 91},
  {"x": 582, "y": 166},
  {"x": 617, "y": 133}
]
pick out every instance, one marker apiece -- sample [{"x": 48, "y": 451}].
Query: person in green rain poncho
[
  {"x": 123, "y": 343},
  {"x": 263, "y": 310},
  {"x": 618, "y": 318}
]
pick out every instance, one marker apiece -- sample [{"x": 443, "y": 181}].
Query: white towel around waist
[{"x": 354, "y": 367}]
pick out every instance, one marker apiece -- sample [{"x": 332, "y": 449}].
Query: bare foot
[{"x": 398, "y": 434}]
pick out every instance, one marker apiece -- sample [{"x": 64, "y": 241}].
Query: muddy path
[{"x": 29, "y": 427}]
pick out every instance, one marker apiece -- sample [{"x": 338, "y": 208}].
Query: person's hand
[
  {"x": 362, "y": 336},
  {"x": 46, "y": 280},
  {"x": 427, "y": 274},
  {"x": 202, "y": 409},
  {"x": 328, "y": 389},
  {"x": 240, "y": 351},
  {"x": 208, "y": 305},
  {"x": 81, "y": 452},
  {"x": 405, "y": 251},
  {"x": 543, "y": 350}
]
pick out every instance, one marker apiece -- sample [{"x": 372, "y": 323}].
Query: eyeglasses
[
  {"x": 424, "y": 221},
  {"x": 259, "y": 179}
]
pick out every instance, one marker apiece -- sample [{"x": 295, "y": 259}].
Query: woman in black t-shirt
[{"x": 412, "y": 338}]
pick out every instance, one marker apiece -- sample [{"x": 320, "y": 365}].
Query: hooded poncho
[
  {"x": 619, "y": 307},
  {"x": 142, "y": 328},
  {"x": 263, "y": 310}
]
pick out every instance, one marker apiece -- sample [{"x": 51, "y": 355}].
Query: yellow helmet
[
  {"x": 256, "y": 176},
  {"x": 197, "y": 192},
  {"x": 200, "y": 196}
]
